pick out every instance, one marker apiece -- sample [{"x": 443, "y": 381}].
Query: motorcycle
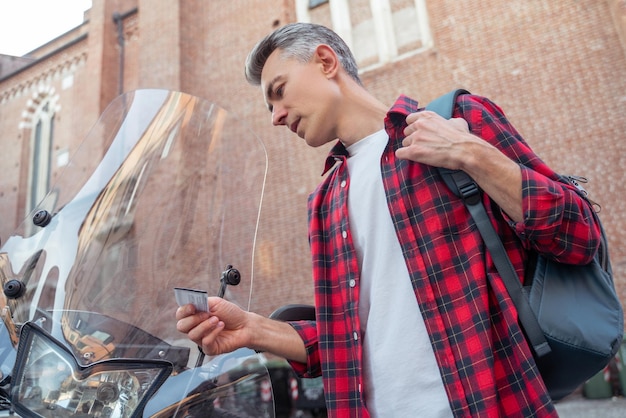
[{"x": 88, "y": 326}]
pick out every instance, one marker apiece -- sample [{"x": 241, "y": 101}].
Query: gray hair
[{"x": 298, "y": 40}]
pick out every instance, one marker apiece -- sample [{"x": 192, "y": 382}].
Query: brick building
[{"x": 556, "y": 67}]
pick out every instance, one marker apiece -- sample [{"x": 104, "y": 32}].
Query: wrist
[
  {"x": 475, "y": 156},
  {"x": 274, "y": 337},
  {"x": 254, "y": 331}
]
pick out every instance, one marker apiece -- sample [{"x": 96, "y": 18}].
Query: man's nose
[{"x": 279, "y": 116}]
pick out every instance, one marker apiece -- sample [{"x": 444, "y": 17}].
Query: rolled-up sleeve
[
  {"x": 308, "y": 332},
  {"x": 558, "y": 221}
]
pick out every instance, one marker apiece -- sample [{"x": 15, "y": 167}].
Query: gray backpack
[{"x": 571, "y": 315}]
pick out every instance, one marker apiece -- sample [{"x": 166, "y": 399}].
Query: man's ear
[{"x": 328, "y": 60}]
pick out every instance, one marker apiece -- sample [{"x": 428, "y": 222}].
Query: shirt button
[
  {"x": 355, "y": 335},
  {"x": 344, "y": 234},
  {"x": 352, "y": 282},
  {"x": 343, "y": 183}
]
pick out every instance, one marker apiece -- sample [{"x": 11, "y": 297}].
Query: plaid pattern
[{"x": 486, "y": 365}]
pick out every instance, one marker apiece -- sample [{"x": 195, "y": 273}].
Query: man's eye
[{"x": 279, "y": 91}]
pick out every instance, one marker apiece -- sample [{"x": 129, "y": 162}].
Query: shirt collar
[
  {"x": 395, "y": 122},
  {"x": 396, "y": 116},
  {"x": 337, "y": 153}
]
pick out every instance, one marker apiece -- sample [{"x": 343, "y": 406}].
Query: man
[{"x": 412, "y": 319}]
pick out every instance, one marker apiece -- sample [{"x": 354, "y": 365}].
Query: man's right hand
[
  {"x": 221, "y": 330},
  {"x": 227, "y": 327}
]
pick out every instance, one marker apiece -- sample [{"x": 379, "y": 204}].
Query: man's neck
[{"x": 363, "y": 115}]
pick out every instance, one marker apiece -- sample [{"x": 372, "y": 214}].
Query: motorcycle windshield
[{"x": 164, "y": 192}]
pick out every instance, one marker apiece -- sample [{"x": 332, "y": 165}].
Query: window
[
  {"x": 40, "y": 154},
  {"x": 377, "y": 31}
]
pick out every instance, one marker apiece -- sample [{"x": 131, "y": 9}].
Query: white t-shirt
[{"x": 401, "y": 375}]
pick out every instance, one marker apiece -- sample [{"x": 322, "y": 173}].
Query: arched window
[
  {"x": 377, "y": 31},
  {"x": 42, "y": 131}
]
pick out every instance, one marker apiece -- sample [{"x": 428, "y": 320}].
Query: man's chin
[{"x": 317, "y": 142}]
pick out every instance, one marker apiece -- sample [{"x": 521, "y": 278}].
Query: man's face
[{"x": 302, "y": 97}]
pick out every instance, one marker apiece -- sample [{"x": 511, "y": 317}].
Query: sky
[{"x": 28, "y": 24}]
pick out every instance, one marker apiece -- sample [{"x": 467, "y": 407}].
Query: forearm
[
  {"x": 497, "y": 175},
  {"x": 547, "y": 215},
  {"x": 276, "y": 337},
  {"x": 552, "y": 217}
]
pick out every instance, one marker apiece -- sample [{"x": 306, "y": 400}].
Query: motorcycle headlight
[{"x": 48, "y": 381}]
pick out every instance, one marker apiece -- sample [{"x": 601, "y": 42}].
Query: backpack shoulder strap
[
  {"x": 463, "y": 186},
  {"x": 458, "y": 181},
  {"x": 444, "y": 105}
]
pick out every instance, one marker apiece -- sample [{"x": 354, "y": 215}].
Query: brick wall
[{"x": 555, "y": 67}]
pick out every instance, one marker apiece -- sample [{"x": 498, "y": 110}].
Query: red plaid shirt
[{"x": 486, "y": 366}]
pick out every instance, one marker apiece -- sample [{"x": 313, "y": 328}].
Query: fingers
[
  {"x": 206, "y": 332},
  {"x": 420, "y": 124},
  {"x": 187, "y": 318},
  {"x": 200, "y": 327},
  {"x": 431, "y": 120},
  {"x": 411, "y": 120},
  {"x": 421, "y": 116},
  {"x": 433, "y": 140},
  {"x": 185, "y": 311}
]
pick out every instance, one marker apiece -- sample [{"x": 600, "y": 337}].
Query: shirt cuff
[
  {"x": 308, "y": 332},
  {"x": 543, "y": 207}
]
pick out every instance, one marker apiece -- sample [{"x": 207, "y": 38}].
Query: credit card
[{"x": 197, "y": 298}]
